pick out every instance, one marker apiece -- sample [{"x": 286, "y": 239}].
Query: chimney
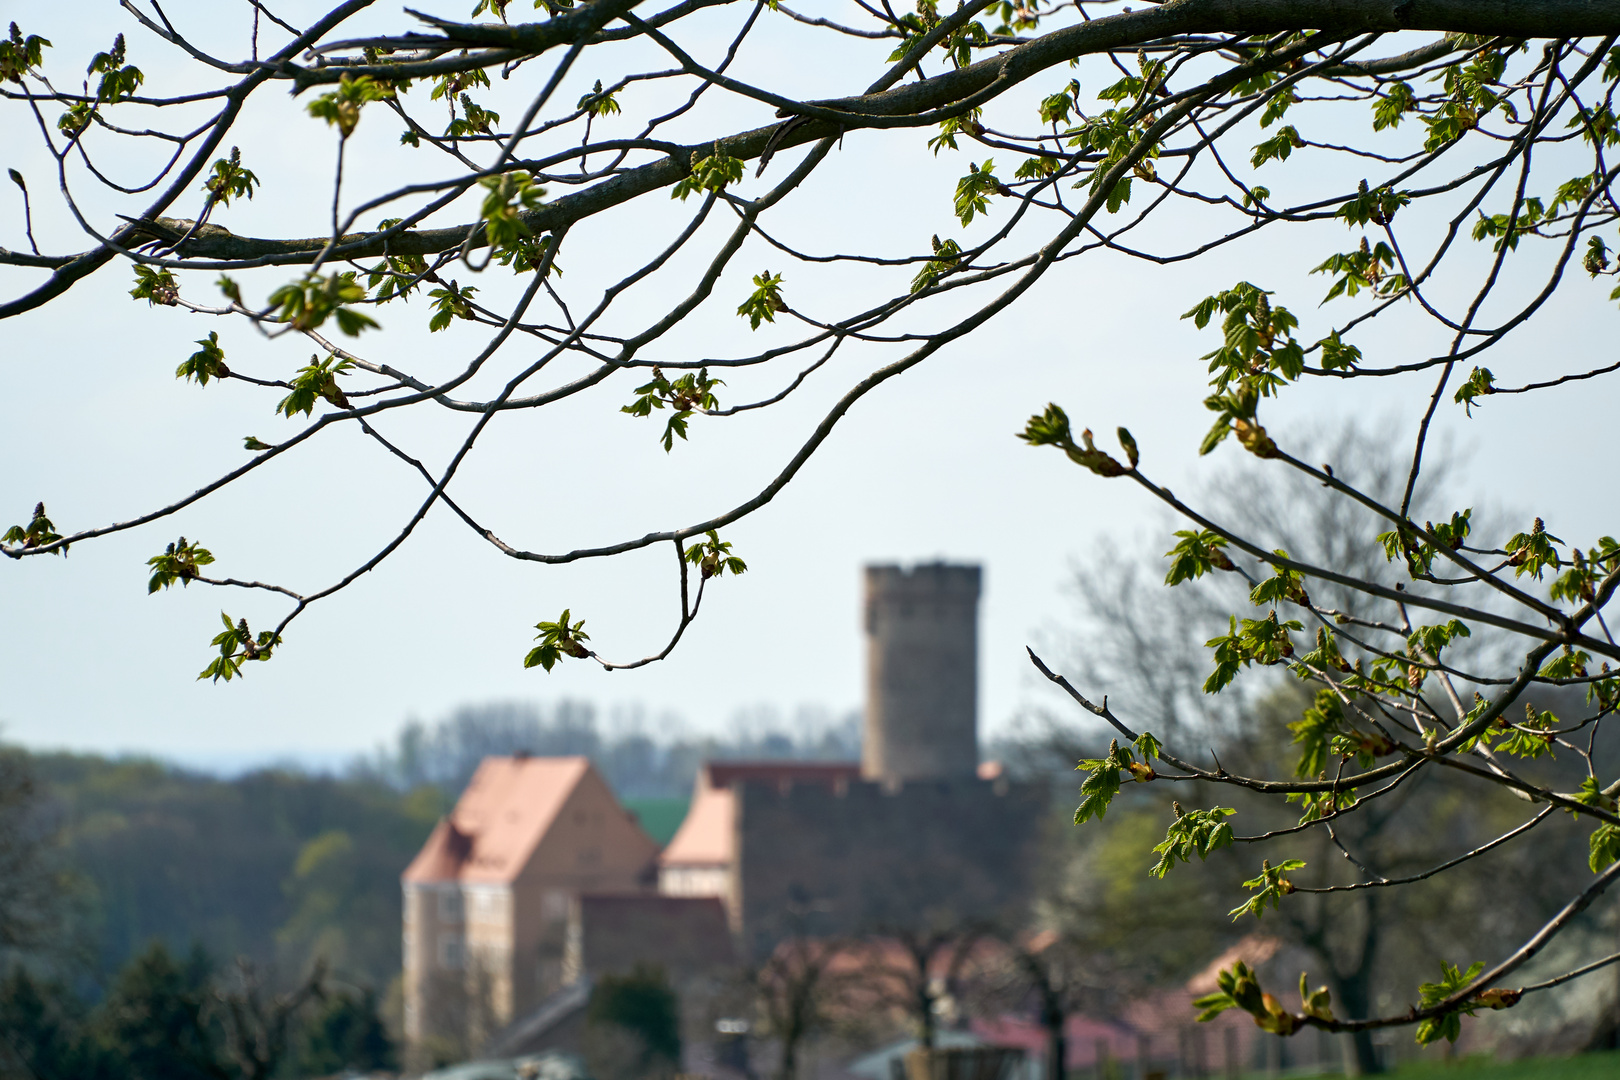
[{"x": 921, "y": 673}]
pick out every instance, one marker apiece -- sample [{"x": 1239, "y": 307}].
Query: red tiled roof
[
  {"x": 1253, "y": 949},
  {"x": 507, "y": 809},
  {"x": 705, "y": 836}
]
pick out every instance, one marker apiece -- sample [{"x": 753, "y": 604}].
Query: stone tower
[{"x": 921, "y": 673}]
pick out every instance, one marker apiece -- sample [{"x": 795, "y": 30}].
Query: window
[
  {"x": 450, "y": 904},
  {"x": 450, "y": 953}
]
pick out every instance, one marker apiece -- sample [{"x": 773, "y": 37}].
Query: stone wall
[
  {"x": 933, "y": 854},
  {"x": 921, "y": 672}
]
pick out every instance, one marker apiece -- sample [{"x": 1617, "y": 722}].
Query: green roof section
[{"x": 660, "y": 817}]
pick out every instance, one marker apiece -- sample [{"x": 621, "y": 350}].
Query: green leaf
[
  {"x": 1365, "y": 268},
  {"x": 951, "y": 127},
  {"x": 37, "y": 533},
  {"x": 1239, "y": 988},
  {"x": 946, "y": 255},
  {"x": 1196, "y": 554},
  {"x": 711, "y": 173},
  {"x": 1376, "y": 205},
  {"x": 713, "y": 557},
  {"x": 973, "y": 191},
  {"x": 764, "y": 302},
  {"x": 307, "y": 303},
  {"x": 1051, "y": 428},
  {"x": 1533, "y": 552},
  {"x": 1278, "y": 147},
  {"x": 1448, "y": 1025},
  {"x": 314, "y": 381},
  {"x": 1314, "y": 732},
  {"x": 179, "y": 562},
  {"x": 474, "y": 120},
  {"x": 1102, "y": 780},
  {"x": 1194, "y": 832},
  {"x": 341, "y": 108},
  {"x": 558, "y": 639},
  {"x": 155, "y": 286},
  {"x": 118, "y": 80},
  {"x": 1262, "y": 641},
  {"x": 685, "y": 395},
  {"x": 19, "y": 54},
  {"x": 1605, "y": 847},
  {"x": 236, "y": 646},
  {"x": 507, "y": 198},
  {"x": 1284, "y": 584},
  {"x": 1480, "y": 382},
  {"x": 229, "y": 180},
  {"x": 598, "y": 103},
  {"x": 450, "y": 302},
  {"x": 206, "y": 363},
  {"x": 1396, "y": 100},
  {"x": 1269, "y": 888}
]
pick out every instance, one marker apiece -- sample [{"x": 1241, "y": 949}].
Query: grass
[{"x": 1580, "y": 1067}]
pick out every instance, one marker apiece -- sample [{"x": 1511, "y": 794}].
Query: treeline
[
  {"x": 636, "y": 764},
  {"x": 281, "y": 866},
  {"x": 274, "y": 865},
  {"x": 179, "y": 1018}
]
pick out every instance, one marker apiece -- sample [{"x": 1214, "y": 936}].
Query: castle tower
[{"x": 921, "y": 673}]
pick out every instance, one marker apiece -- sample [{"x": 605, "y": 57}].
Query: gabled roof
[
  {"x": 707, "y": 836},
  {"x": 507, "y": 809}
]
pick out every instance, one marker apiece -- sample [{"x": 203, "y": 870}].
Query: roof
[
  {"x": 707, "y": 836},
  {"x": 506, "y": 810},
  {"x": 1253, "y": 949}
]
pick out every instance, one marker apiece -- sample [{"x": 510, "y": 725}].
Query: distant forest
[
  {"x": 280, "y": 865},
  {"x": 636, "y": 764}
]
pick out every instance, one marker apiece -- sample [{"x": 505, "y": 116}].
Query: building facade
[
  {"x": 915, "y": 833},
  {"x": 922, "y": 682},
  {"x": 487, "y": 899}
]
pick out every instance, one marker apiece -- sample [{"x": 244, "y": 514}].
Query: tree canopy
[{"x": 1450, "y": 158}]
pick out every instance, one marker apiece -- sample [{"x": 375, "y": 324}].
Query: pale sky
[{"x": 926, "y": 467}]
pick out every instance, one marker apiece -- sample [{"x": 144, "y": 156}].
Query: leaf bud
[{"x": 1126, "y": 441}]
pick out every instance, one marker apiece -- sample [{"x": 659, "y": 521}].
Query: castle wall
[
  {"x": 921, "y": 672},
  {"x": 936, "y": 854}
]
